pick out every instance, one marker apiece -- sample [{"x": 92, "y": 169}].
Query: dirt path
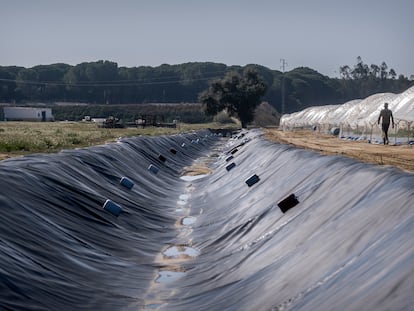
[{"x": 401, "y": 156}]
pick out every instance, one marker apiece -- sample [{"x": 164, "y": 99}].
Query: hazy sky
[{"x": 320, "y": 34}]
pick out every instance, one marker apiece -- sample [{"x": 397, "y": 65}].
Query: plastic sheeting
[
  {"x": 207, "y": 242},
  {"x": 355, "y": 112},
  {"x": 61, "y": 250}
]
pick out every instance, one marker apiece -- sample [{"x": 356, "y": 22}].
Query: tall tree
[
  {"x": 384, "y": 71},
  {"x": 392, "y": 74},
  {"x": 345, "y": 72},
  {"x": 374, "y": 71},
  {"x": 360, "y": 70},
  {"x": 239, "y": 95}
]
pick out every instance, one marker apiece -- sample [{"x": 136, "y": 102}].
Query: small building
[{"x": 27, "y": 114}]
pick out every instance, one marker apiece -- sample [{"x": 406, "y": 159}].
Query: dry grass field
[{"x": 22, "y": 138}]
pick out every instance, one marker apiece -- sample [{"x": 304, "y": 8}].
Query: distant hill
[{"x": 103, "y": 82}]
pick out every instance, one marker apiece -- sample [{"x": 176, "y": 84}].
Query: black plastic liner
[
  {"x": 207, "y": 242},
  {"x": 61, "y": 250}
]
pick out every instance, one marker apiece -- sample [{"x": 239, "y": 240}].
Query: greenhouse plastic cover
[
  {"x": 355, "y": 112},
  {"x": 206, "y": 242}
]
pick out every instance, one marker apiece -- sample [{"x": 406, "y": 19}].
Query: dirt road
[{"x": 401, "y": 156}]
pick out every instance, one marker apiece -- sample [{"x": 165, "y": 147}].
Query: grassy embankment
[{"x": 22, "y": 138}]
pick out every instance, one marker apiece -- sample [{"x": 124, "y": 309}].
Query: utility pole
[{"x": 283, "y": 64}]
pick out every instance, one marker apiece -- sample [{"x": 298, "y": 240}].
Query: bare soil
[{"x": 401, "y": 156}]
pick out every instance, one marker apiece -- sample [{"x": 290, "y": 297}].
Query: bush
[
  {"x": 266, "y": 115},
  {"x": 223, "y": 117}
]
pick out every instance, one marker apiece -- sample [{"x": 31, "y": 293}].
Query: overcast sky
[{"x": 320, "y": 34}]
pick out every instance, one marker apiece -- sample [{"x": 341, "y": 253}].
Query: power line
[
  {"x": 117, "y": 83},
  {"x": 106, "y": 84}
]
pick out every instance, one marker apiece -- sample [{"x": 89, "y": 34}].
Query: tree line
[{"x": 105, "y": 83}]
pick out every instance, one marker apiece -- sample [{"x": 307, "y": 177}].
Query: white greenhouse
[
  {"x": 355, "y": 113},
  {"x": 357, "y": 117}
]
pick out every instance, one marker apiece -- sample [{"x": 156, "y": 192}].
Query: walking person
[{"x": 387, "y": 117}]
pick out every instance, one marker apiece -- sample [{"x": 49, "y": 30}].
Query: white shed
[{"x": 27, "y": 114}]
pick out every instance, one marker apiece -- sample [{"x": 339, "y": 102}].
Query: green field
[{"x": 22, "y": 138}]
